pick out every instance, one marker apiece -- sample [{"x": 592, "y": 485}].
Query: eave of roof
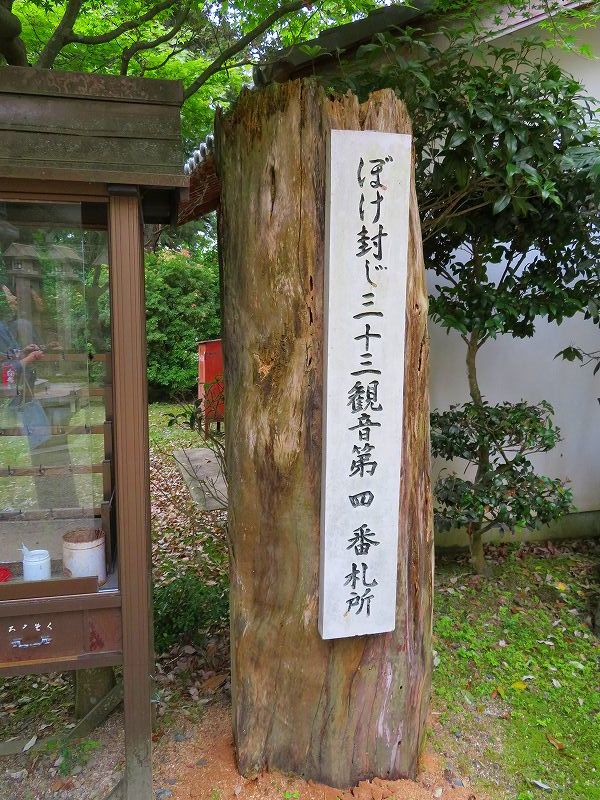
[
  {"x": 294, "y": 61},
  {"x": 514, "y": 22},
  {"x": 205, "y": 187}
]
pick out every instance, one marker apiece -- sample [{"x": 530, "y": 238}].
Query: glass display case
[
  {"x": 85, "y": 162},
  {"x": 57, "y": 530}
]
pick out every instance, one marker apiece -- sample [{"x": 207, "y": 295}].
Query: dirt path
[{"x": 202, "y": 767}]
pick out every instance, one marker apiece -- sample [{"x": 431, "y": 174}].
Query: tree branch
[
  {"x": 218, "y": 64},
  {"x": 510, "y": 270},
  {"x": 138, "y": 47},
  {"x": 60, "y": 37},
  {"x": 109, "y": 36},
  {"x": 174, "y": 52},
  {"x": 64, "y": 35}
]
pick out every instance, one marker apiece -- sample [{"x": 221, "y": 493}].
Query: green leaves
[
  {"x": 457, "y": 139},
  {"x": 507, "y": 152},
  {"x": 570, "y": 354},
  {"x": 507, "y": 431},
  {"x": 498, "y": 440},
  {"x": 512, "y": 498},
  {"x": 501, "y": 203},
  {"x": 182, "y": 308}
]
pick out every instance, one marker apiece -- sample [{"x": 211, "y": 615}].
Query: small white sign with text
[{"x": 367, "y": 219}]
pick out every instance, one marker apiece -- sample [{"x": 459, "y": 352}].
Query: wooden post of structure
[
  {"x": 91, "y": 685},
  {"x": 342, "y": 710},
  {"x": 132, "y": 479}
]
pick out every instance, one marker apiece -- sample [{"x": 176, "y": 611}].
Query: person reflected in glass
[
  {"x": 16, "y": 360},
  {"x": 19, "y": 377}
]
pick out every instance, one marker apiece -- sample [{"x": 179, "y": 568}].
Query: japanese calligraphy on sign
[{"x": 365, "y": 300}]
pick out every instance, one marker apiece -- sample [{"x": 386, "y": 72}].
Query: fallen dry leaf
[
  {"x": 214, "y": 683},
  {"x": 554, "y": 742},
  {"x": 62, "y": 784},
  {"x": 520, "y": 686}
]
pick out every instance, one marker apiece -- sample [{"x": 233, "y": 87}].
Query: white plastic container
[
  {"x": 84, "y": 554},
  {"x": 36, "y": 565}
]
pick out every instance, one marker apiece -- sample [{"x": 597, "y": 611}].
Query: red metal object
[
  {"x": 5, "y": 574},
  {"x": 8, "y": 374},
  {"x": 210, "y": 380}
]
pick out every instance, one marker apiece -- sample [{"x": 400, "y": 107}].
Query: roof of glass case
[{"x": 104, "y": 129}]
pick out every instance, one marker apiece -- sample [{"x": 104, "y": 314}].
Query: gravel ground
[{"x": 38, "y": 776}]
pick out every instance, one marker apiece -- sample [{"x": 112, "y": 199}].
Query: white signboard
[{"x": 368, "y": 190}]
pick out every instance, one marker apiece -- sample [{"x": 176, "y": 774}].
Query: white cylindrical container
[
  {"x": 84, "y": 554},
  {"x": 36, "y": 565}
]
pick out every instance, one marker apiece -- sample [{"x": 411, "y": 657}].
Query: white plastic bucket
[
  {"x": 84, "y": 554},
  {"x": 36, "y": 565}
]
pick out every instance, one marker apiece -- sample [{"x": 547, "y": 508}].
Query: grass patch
[
  {"x": 165, "y": 439},
  {"x": 39, "y": 704},
  {"x": 523, "y": 640},
  {"x": 189, "y": 608}
]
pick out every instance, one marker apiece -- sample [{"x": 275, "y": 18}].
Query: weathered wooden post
[{"x": 336, "y": 710}]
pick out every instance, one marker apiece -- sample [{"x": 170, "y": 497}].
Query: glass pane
[{"x": 55, "y": 472}]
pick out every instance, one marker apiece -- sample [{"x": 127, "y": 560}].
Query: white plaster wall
[{"x": 515, "y": 369}]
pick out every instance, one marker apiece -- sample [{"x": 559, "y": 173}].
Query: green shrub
[
  {"x": 189, "y": 608},
  {"x": 182, "y": 308}
]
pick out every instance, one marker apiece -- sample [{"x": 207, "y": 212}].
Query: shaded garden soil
[{"x": 203, "y": 768}]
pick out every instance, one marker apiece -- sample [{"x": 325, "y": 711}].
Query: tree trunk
[
  {"x": 478, "y": 561},
  {"x": 342, "y": 710},
  {"x": 11, "y": 44},
  {"x": 91, "y": 685},
  {"x": 471, "y": 359}
]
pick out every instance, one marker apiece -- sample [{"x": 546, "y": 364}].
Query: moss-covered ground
[{"x": 517, "y": 681}]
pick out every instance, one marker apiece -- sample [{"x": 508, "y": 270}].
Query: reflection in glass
[{"x": 55, "y": 472}]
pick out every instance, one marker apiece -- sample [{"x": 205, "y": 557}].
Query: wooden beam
[
  {"x": 132, "y": 479},
  {"x": 62, "y": 664},
  {"x": 51, "y": 472},
  {"x": 55, "y": 430},
  {"x": 54, "y": 587},
  {"x": 49, "y": 513},
  {"x": 56, "y": 605},
  {"x": 97, "y": 714},
  {"x": 59, "y": 357}
]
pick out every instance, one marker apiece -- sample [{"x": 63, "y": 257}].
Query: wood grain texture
[
  {"x": 98, "y": 128},
  {"x": 343, "y": 710},
  {"x": 56, "y": 83},
  {"x": 133, "y": 485}
]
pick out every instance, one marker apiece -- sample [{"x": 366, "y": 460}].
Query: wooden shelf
[
  {"x": 50, "y": 513},
  {"x": 52, "y": 472},
  {"x": 55, "y": 430}
]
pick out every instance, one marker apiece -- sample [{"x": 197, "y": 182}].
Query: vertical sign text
[{"x": 368, "y": 193}]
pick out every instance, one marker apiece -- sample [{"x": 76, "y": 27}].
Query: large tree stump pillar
[{"x": 343, "y": 710}]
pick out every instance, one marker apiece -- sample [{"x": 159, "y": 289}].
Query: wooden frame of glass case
[{"x": 112, "y": 145}]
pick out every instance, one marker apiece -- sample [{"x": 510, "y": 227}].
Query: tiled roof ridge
[{"x": 200, "y": 154}]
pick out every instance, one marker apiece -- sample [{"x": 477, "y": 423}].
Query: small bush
[
  {"x": 182, "y": 308},
  {"x": 188, "y": 608}
]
